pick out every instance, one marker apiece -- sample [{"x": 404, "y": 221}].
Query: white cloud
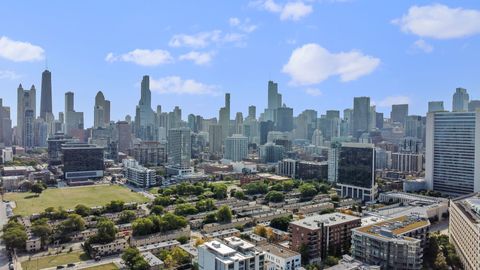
[
  {"x": 177, "y": 85},
  {"x": 440, "y": 21},
  {"x": 142, "y": 57},
  {"x": 423, "y": 45},
  {"x": 294, "y": 10},
  {"x": 8, "y": 74},
  {"x": 313, "y": 92},
  {"x": 389, "y": 101},
  {"x": 204, "y": 39},
  {"x": 244, "y": 26},
  {"x": 312, "y": 64},
  {"x": 199, "y": 58},
  {"x": 19, "y": 51}
]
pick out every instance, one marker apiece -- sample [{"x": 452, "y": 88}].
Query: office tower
[
  {"x": 252, "y": 113},
  {"x": 5, "y": 125},
  {"x": 464, "y": 229},
  {"x": 333, "y": 157},
  {"x": 191, "y": 122},
  {"x": 379, "y": 120},
  {"x": 473, "y": 105},
  {"x": 361, "y": 115},
  {"x": 73, "y": 120},
  {"x": 124, "y": 131},
  {"x": 224, "y": 117},
  {"x": 26, "y": 108},
  {"x": 145, "y": 128},
  {"x": 82, "y": 162},
  {"x": 46, "y": 95},
  {"x": 283, "y": 119},
  {"x": 329, "y": 124},
  {"x": 435, "y": 106},
  {"x": 215, "y": 138},
  {"x": 346, "y": 125},
  {"x": 101, "y": 111},
  {"x": 149, "y": 153},
  {"x": 271, "y": 153},
  {"x": 274, "y": 98},
  {"x": 451, "y": 154},
  {"x": 399, "y": 113},
  {"x": 40, "y": 132},
  {"x": 392, "y": 244},
  {"x": 138, "y": 175},
  {"x": 317, "y": 138},
  {"x": 356, "y": 171},
  {"x": 236, "y": 147},
  {"x": 414, "y": 127},
  {"x": 55, "y": 143},
  {"x": 372, "y": 121},
  {"x": 234, "y": 253},
  {"x": 179, "y": 147},
  {"x": 239, "y": 123},
  {"x": 264, "y": 128},
  {"x": 322, "y": 235},
  {"x": 460, "y": 100}
]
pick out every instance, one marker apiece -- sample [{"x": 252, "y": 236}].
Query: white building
[
  {"x": 452, "y": 158},
  {"x": 7, "y": 155},
  {"x": 232, "y": 254},
  {"x": 236, "y": 147},
  {"x": 287, "y": 167},
  {"x": 138, "y": 175},
  {"x": 281, "y": 258}
]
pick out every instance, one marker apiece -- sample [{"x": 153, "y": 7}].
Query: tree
[
  {"x": 220, "y": 191},
  {"x": 281, "y": 223},
  {"x": 239, "y": 195},
  {"x": 163, "y": 201},
  {"x": 335, "y": 198},
  {"x": 260, "y": 230},
  {"x": 114, "y": 206},
  {"x": 126, "y": 216},
  {"x": 134, "y": 260},
  {"x": 14, "y": 235},
  {"x": 74, "y": 223},
  {"x": 182, "y": 239},
  {"x": 205, "y": 205},
  {"x": 82, "y": 210},
  {"x": 157, "y": 210},
  {"x": 37, "y": 188},
  {"x": 210, "y": 218},
  {"x": 331, "y": 261},
  {"x": 106, "y": 232},
  {"x": 42, "y": 229},
  {"x": 142, "y": 226},
  {"x": 304, "y": 251},
  {"x": 256, "y": 188},
  {"x": 180, "y": 255},
  {"x": 185, "y": 209},
  {"x": 277, "y": 187},
  {"x": 224, "y": 214},
  {"x": 307, "y": 190},
  {"x": 441, "y": 262},
  {"x": 275, "y": 196},
  {"x": 288, "y": 185}
]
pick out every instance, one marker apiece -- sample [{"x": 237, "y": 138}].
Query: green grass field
[
  {"x": 68, "y": 198},
  {"x": 53, "y": 261},
  {"x": 108, "y": 266}
]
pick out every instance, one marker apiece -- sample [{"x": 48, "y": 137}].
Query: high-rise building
[
  {"x": 460, "y": 100},
  {"x": 452, "y": 155},
  {"x": 283, "y": 119},
  {"x": 40, "y": 132},
  {"x": 239, "y": 123},
  {"x": 464, "y": 229},
  {"x": 236, "y": 147},
  {"x": 322, "y": 235},
  {"x": 393, "y": 244},
  {"x": 361, "y": 115},
  {"x": 46, "y": 95},
  {"x": 138, "y": 175},
  {"x": 414, "y": 126},
  {"x": 317, "y": 138},
  {"x": 399, "y": 113},
  {"x": 379, "y": 120},
  {"x": 271, "y": 153},
  {"x": 179, "y": 147},
  {"x": 145, "y": 128},
  {"x": 26, "y": 114},
  {"x": 73, "y": 120},
  {"x": 124, "y": 131},
  {"x": 356, "y": 171},
  {"x": 333, "y": 157},
  {"x": 101, "y": 111},
  {"x": 149, "y": 153},
  {"x": 55, "y": 143},
  {"x": 252, "y": 113},
  {"x": 215, "y": 138},
  {"x": 274, "y": 102},
  {"x": 82, "y": 162},
  {"x": 5, "y": 125},
  {"x": 435, "y": 106},
  {"x": 224, "y": 117},
  {"x": 473, "y": 105},
  {"x": 264, "y": 128}
]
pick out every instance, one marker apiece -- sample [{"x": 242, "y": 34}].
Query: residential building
[
  {"x": 26, "y": 114},
  {"x": 407, "y": 162},
  {"x": 138, "y": 175},
  {"x": 236, "y": 147},
  {"x": 280, "y": 258},
  {"x": 73, "y": 120},
  {"x": 215, "y": 138},
  {"x": 179, "y": 147},
  {"x": 361, "y": 115},
  {"x": 151, "y": 153}
]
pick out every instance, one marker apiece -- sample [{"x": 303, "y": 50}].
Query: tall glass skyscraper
[
  {"x": 46, "y": 95},
  {"x": 460, "y": 100}
]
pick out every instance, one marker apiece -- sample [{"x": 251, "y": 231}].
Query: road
[
  {"x": 3, "y": 252},
  {"x": 91, "y": 263}
]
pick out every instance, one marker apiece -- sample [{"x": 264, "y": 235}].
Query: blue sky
[{"x": 321, "y": 52}]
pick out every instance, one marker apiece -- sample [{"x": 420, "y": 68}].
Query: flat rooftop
[
  {"x": 395, "y": 227},
  {"x": 279, "y": 251},
  {"x": 315, "y": 222},
  {"x": 470, "y": 206},
  {"x": 220, "y": 248}
]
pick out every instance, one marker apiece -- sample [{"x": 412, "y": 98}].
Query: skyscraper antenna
[{"x": 46, "y": 62}]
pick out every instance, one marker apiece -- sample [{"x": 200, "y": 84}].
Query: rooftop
[
  {"x": 316, "y": 221},
  {"x": 279, "y": 251},
  {"x": 220, "y": 248},
  {"x": 470, "y": 206},
  {"x": 396, "y": 227}
]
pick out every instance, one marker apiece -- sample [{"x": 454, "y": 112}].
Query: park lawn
[
  {"x": 53, "y": 261},
  {"x": 68, "y": 198},
  {"x": 108, "y": 266}
]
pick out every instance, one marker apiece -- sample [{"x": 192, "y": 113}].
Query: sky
[{"x": 322, "y": 53}]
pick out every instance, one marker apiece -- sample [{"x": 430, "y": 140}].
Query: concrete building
[
  {"x": 26, "y": 114},
  {"x": 460, "y": 100},
  {"x": 149, "y": 153},
  {"x": 271, "y": 153},
  {"x": 82, "y": 162},
  {"x": 280, "y": 258},
  {"x": 224, "y": 117},
  {"x": 73, "y": 120},
  {"x": 407, "y": 162},
  {"x": 464, "y": 229},
  {"x": 236, "y": 147},
  {"x": 451, "y": 155},
  {"x": 101, "y": 111},
  {"x": 473, "y": 105},
  {"x": 145, "y": 127},
  {"x": 323, "y": 234},
  {"x": 399, "y": 113},
  {"x": 215, "y": 138},
  {"x": 179, "y": 147},
  {"x": 361, "y": 115},
  {"x": 435, "y": 106},
  {"x": 287, "y": 167},
  {"x": 392, "y": 244},
  {"x": 46, "y": 95},
  {"x": 124, "y": 133},
  {"x": 234, "y": 253},
  {"x": 138, "y": 175}
]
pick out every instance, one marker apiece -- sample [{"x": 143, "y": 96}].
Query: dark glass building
[{"x": 82, "y": 161}]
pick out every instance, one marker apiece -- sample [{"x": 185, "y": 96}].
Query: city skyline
[{"x": 246, "y": 32}]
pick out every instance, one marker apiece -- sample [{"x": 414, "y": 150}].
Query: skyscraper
[
  {"x": 252, "y": 112},
  {"x": 101, "y": 111},
  {"x": 215, "y": 138},
  {"x": 284, "y": 119},
  {"x": 224, "y": 117},
  {"x": 5, "y": 125},
  {"x": 145, "y": 128},
  {"x": 473, "y": 105},
  {"x": 361, "y": 115},
  {"x": 274, "y": 98},
  {"x": 26, "y": 110},
  {"x": 124, "y": 131},
  {"x": 179, "y": 147},
  {"x": 452, "y": 155},
  {"x": 73, "y": 120},
  {"x": 460, "y": 100},
  {"x": 236, "y": 147},
  {"x": 435, "y": 106},
  {"x": 46, "y": 95},
  {"x": 399, "y": 113}
]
